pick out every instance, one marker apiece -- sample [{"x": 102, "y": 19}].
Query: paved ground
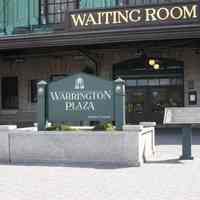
[{"x": 163, "y": 178}]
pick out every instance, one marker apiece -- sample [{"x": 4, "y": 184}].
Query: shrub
[
  {"x": 65, "y": 127},
  {"x": 53, "y": 128},
  {"x": 60, "y": 127},
  {"x": 104, "y": 127}
]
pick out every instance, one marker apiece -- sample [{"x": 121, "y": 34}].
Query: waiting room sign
[{"x": 138, "y": 16}]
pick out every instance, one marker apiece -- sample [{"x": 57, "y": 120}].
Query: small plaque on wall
[{"x": 192, "y": 98}]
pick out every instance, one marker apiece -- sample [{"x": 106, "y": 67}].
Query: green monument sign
[{"x": 81, "y": 97}]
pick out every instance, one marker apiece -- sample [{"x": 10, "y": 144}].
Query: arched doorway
[{"x": 151, "y": 85}]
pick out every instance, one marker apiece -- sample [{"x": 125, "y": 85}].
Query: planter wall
[{"x": 127, "y": 147}]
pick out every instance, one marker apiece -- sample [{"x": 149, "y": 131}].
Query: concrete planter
[{"x": 127, "y": 147}]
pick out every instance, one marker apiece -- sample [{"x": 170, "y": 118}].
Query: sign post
[
  {"x": 119, "y": 104},
  {"x": 41, "y": 113},
  {"x": 187, "y": 143}
]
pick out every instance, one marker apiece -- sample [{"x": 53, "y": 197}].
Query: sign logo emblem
[{"x": 79, "y": 84}]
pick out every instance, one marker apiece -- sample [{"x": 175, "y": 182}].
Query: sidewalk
[{"x": 163, "y": 178}]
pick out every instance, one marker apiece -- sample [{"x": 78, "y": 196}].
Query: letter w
[
  {"x": 54, "y": 96},
  {"x": 78, "y": 19}
]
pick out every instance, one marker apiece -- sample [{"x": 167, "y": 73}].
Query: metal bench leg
[{"x": 187, "y": 143}]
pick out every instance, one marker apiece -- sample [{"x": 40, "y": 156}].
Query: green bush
[
  {"x": 61, "y": 127},
  {"x": 65, "y": 127},
  {"x": 53, "y": 128},
  {"x": 104, "y": 127}
]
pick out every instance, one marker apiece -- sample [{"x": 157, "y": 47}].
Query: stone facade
[
  {"x": 191, "y": 73},
  {"x": 37, "y": 66}
]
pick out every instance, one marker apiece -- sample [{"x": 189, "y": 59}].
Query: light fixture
[
  {"x": 152, "y": 62},
  {"x": 156, "y": 66}
]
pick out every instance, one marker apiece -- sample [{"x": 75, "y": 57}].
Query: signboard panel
[
  {"x": 182, "y": 115},
  {"x": 80, "y": 97},
  {"x": 130, "y": 17}
]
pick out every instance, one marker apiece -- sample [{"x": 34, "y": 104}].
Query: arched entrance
[{"x": 151, "y": 85}]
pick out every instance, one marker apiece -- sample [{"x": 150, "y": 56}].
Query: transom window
[{"x": 154, "y": 82}]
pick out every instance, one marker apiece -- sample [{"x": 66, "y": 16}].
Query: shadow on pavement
[
  {"x": 168, "y": 161},
  {"x": 74, "y": 165},
  {"x": 173, "y": 136}
]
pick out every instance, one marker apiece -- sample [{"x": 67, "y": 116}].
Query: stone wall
[
  {"x": 42, "y": 66},
  {"x": 35, "y": 67},
  {"x": 191, "y": 73},
  {"x": 128, "y": 147}
]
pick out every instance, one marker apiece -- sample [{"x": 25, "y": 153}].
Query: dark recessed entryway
[
  {"x": 150, "y": 89},
  {"x": 9, "y": 92}
]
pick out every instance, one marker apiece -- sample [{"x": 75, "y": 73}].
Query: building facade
[{"x": 152, "y": 44}]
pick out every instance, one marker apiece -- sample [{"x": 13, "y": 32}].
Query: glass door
[
  {"x": 164, "y": 97},
  {"x": 135, "y": 105},
  {"x": 148, "y": 103}
]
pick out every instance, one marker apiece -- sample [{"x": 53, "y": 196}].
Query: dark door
[
  {"x": 136, "y": 108},
  {"x": 148, "y": 103},
  {"x": 9, "y": 92},
  {"x": 150, "y": 89},
  {"x": 162, "y": 97}
]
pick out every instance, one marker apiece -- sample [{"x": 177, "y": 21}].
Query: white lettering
[
  {"x": 162, "y": 13},
  {"x": 123, "y": 16},
  {"x": 79, "y": 106},
  {"x": 90, "y": 20},
  {"x": 176, "y": 13},
  {"x": 134, "y": 15},
  {"x": 190, "y": 13},
  {"x": 150, "y": 14},
  {"x": 54, "y": 96},
  {"x": 78, "y": 19}
]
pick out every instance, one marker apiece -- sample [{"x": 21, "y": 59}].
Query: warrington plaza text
[
  {"x": 80, "y": 100},
  {"x": 135, "y": 15}
]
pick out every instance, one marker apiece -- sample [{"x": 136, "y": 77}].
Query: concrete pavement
[{"x": 162, "y": 178}]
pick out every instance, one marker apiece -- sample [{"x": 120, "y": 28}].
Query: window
[
  {"x": 18, "y": 13},
  {"x": 98, "y": 3},
  {"x": 53, "y": 11},
  {"x": 2, "y": 16},
  {"x": 9, "y": 93},
  {"x": 154, "y": 82},
  {"x": 32, "y": 86},
  {"x": 113, "y": 3}
]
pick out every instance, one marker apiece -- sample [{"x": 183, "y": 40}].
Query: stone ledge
[
  {"x": 119, "y": 147},
  {"x": 148, "y": 124}
]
